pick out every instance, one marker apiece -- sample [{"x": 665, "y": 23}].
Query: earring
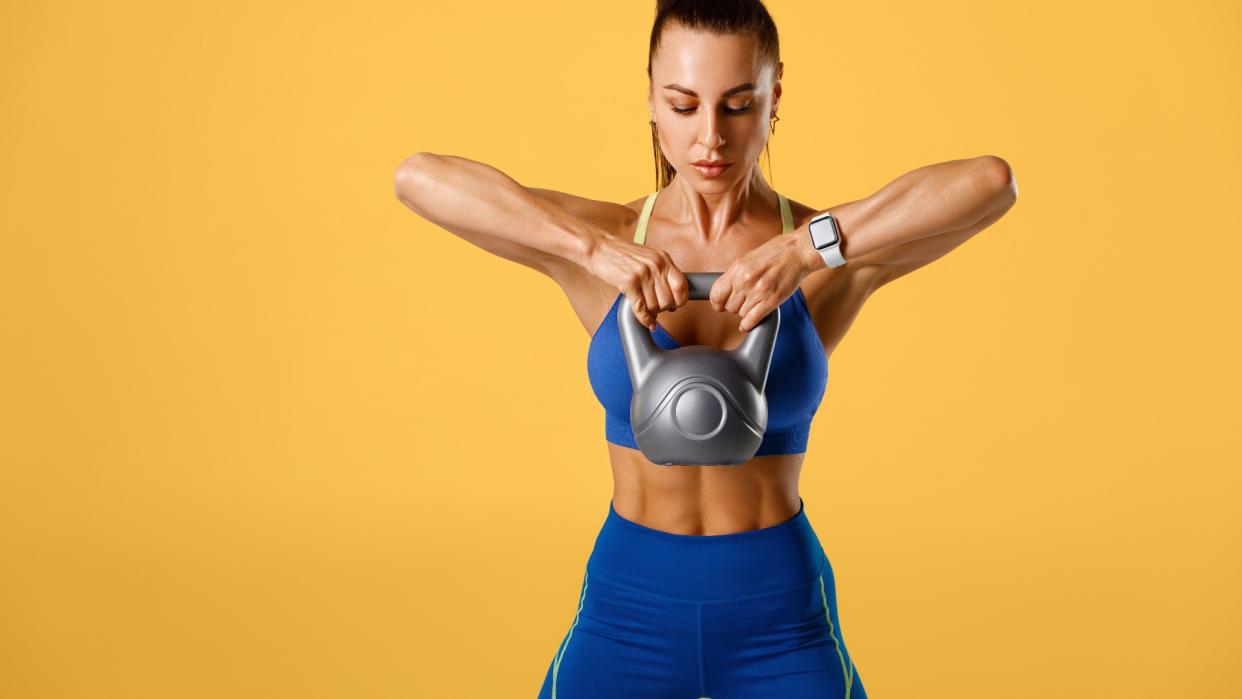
[{"x": 775, "y": 118}]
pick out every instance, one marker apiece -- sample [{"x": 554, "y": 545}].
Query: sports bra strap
[{"x": 640, "y": 233}]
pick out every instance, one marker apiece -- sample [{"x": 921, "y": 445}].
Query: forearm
[
  {"x": 929, "y": 201},
  {"x": 466, "y": 195}
]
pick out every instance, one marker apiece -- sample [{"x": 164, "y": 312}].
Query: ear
[{"x": 776, "y": 86}]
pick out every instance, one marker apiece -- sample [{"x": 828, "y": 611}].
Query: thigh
[
  {"x": 623, "y": 643},
  {"x": 787, "y": 644}
]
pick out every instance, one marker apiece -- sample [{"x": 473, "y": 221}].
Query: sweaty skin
[
  {"x": 723, "y": 217},
  {"x": 708, "y": 500},
  {"x": 712, "y": 98}
]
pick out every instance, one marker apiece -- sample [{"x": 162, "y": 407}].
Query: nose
[{"x": 710, "y": 137}]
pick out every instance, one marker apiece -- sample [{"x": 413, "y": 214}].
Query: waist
[{"x": 707, "y": 567}]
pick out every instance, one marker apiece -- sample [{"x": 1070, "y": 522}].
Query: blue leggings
[{"x": 749, "y": 615}]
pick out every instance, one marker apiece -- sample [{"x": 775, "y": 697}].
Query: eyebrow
[{"x": 740, "y": 88}]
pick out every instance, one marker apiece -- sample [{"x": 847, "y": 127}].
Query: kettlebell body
[{"x": 698, "y": 405}]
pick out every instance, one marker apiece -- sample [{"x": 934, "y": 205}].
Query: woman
[{"x": 709, "y": 581}]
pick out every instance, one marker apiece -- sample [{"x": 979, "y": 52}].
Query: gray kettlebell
[{"x": 698, "y": 404}]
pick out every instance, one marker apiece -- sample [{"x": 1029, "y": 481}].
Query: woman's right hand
[{"x": 645, "y": 275}]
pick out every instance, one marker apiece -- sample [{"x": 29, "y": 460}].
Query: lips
[{"x": 711, "y": 168}]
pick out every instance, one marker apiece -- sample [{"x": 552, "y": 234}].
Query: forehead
[{"x": 706, "y": 62}]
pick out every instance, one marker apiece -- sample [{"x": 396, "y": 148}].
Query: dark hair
[{"x": 718, "y": 16}]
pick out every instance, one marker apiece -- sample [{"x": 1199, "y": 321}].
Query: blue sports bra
[{"x": 797, "y": 377}]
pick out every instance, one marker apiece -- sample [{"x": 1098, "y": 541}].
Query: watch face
[{"x": 824, "y": 231}]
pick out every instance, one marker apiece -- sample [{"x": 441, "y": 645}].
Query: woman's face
[{"x": 711, "y": 97}]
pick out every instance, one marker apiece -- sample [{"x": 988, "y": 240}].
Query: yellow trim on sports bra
[
  {"x": 640, "y": 233},
  {"x": 786, "y": 214}
]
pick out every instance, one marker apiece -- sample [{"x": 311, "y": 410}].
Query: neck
[{"x": 710, "y": 216}]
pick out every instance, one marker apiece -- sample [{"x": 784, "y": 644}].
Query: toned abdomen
[{"x": 705, "y": 500}]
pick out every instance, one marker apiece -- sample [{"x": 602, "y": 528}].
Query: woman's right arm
[
  {"x": 551, "y": 232},
  {"x": 486, "y": 207}
]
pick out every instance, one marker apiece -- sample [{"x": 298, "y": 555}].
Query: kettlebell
[{"x": 698, "y": 404}]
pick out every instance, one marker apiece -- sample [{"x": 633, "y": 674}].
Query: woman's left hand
[{"x": 759, "y": 281}]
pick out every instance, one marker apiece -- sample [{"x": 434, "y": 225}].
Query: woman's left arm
[
  {"x": 913, "y": 220},
  {"x": 921, "y": 215}
]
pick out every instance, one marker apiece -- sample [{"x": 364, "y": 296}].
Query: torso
[{"x": 709, "y": 500}]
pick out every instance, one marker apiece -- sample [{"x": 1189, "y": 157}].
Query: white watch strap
[{"x": 832, "y": 255}]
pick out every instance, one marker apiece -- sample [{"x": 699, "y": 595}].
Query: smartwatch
[{"x": 826, "y": 237}]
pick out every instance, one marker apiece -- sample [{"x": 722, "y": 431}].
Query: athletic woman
[{"x": 709, "y": 581}]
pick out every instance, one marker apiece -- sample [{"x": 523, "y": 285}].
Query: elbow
[
  {"x": 999, "y": 175},
  {"x": 411, "y": 174}
]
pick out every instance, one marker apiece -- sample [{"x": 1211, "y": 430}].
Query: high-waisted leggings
[{"x": 749, "y": 615}]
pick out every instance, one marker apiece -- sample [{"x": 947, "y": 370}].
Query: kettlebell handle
[
  {"x": 701, "y": 284},
  {"x": 754, "y": 354}
]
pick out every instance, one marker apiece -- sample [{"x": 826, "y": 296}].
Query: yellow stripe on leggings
[
  {"x": 847, "y": 673},
  {"x": 556, "y": 666}
]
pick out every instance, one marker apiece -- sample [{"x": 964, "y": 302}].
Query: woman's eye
[{"x": 687, "y": 110}]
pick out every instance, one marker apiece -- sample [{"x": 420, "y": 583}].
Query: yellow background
[{"x": 267, "y": 433}]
